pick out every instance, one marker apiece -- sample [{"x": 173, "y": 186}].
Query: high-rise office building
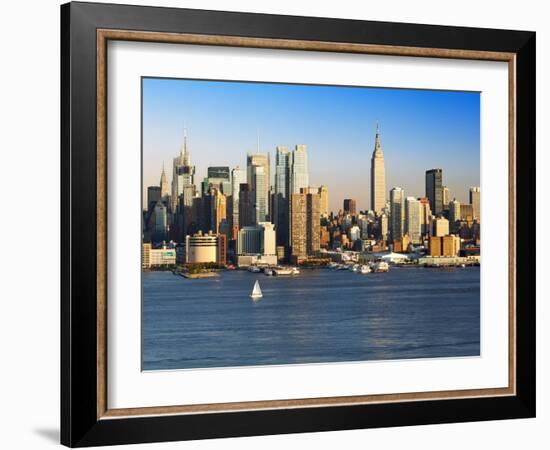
[
  {"x": 262, "y": 176},
  {"x": 183, "y": 173},
  {"x": 217, "y": 209},
  {"x": 153, "y": 196},
  {"x": 261, "y": 196},
  {"x": 282, "y": 192},
  {"x": 238, "y": 177},
  {"x": 218, "y": 177},
  {"x": 305, "y": 223},
  {"x": 299, "y": 170},
  {"x": 256, "y": 244},
  {"x": 454, "y": 210},
  {"x": 446, "y": 197},
  {"x": 434, "y": 190},
  {"x": 413, "y": 219},
  {"x": 440, "y": 227},
  {"x": 247, "y": 213},
  {"x": 350, "y": 206},
  {"x": 397, "y": 213},
  {"x": 160, "y": 231},
  {"x": 323, "y": 192},
  {"x": 377, "y": 177},
  {"x": 475, "y": 201},
  {"x": 426, "y": 215}
]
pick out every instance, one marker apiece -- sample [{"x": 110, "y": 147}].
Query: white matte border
[{"x": 129, "y": 387}]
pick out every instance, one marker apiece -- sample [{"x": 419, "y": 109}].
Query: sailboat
[{"x": 256, "y": 292}]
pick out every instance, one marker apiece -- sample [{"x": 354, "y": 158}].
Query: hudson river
[{"x": 318, "y": 316}]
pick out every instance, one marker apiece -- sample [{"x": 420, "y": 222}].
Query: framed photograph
[{"x": 273, "y": 224}]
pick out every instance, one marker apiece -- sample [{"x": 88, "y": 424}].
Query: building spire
[
  {"x": 185, "y": 149},
  {"x": 377, "y": 146}
]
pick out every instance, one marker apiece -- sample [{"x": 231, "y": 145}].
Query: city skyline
[{"x": 343, "y": 168}]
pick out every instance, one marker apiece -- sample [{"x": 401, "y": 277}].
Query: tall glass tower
[
  {"x": 434, "y": 190},
  {"x": 282, "y": 195}
]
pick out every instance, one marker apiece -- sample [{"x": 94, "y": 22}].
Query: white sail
[{"x": 256, "y": 292}]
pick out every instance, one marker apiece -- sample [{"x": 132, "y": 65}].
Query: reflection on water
[{"x": 318, "y": 316}]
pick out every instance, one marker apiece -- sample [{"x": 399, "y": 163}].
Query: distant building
[
  {"x": 413, "y": 219},
  {"x": 446, "y": 197},
  {"x": 444, "y": 245},
  {"x": 354, "y": 233},
  {"x": 305, "y": 219},
  {"x": 299, "y": 170},
  {"x": 350, "y": 206},
  {"x": 218, "y": 177},
  {"x": 475, "y": 201},
  {"x": 155, "y": 257},
  {"x": 238, "y": 177},
  {"x": 259, "y": 181},
  {"x": 256, "y": 245},
  {"x": 247, "y": 212},
  {"x": 454, "y": 210},
  {"x": 434, "y": 190},
  {"x": 440, "y": 227},
  {"x": 183, "y": 173},
  {"x": 397, "y": 213},
  {"x": 323, "y": 192},
  {"x": 426, "y": 216},
  {"x": 218, "y": 209},
  {"x": 153, "y": 196},
  {"x": 205, "y": 248},
  {"x": 283, "y": 162},
  {"x": 160, "y": 230},
  {"x": 383, "y": 223},
  {"x": 467, "y": 213},
  {"x": 378, "y": 176}
]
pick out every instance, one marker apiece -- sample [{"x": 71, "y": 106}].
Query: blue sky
[{"x": 419, "y": 130}]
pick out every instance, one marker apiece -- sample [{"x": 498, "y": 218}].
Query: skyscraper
[
  {"x": 164, "y": 191},
  {"x": 446, "y": 197},
  {"x": 475, "y": 201},
  {"x": 217, "y": 209},
  {"x": 454, "y": 210},
  {"x": 238, "y": 177},
  {"x": 413, "y": 219},
  {"x": 397, "y": 213},
  {"x": 350, "y": 206},
  {"x": 218, "y": 177},
  {"x": 259, "y": 160},
  {"x": 434, "y": 190},
  {"x": 305, "y": 223},
  {"x": 183, "y": 173},
  {"x": 377, "y": 177},
  {"x": 323, "y": 192},
  {"x": 261, "y": 196},
  {"x": 282, "y": 192},
  {"x": 247, "y": 212},
  {"x": 300, "y": 170},
  {"x": 426, "y": 215}
]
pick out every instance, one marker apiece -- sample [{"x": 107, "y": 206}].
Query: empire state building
[{"x": 377, "y": 177}]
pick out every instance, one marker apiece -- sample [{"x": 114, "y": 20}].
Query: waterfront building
[
  {"x": 259, "y": 180},
  {"x": 283, "y": 164},
  {"x": 350, "y": 206},
  {"x": 446, "y": 197},
  {"x": 205, "y": 248},
  {"x": 257, "y": 245},
  {"x": 450, "y": 245},
  {"x": 238, "y": 177},
  {"x": 323, "y": 192},
  {"x": 299, "y": 170},
  {"x": 247, "y": 212},
  {"x": 434, "y": 190},
  {"x": 378, "y": 176},
  {"x": 440, "y": 227},
  {"x": 183, "y": 173},
  {"x": 397, "y": 213},
  {"x": 454, "y": 211},
  {"x": 305, "y": 224},
  {"x": 401, "y": 245},
  {"x": 155, "y": 257},
  {"x": 413, "y": 219},
  {"x": 475, "y": 201}
]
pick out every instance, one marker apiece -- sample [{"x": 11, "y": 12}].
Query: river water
[{"x": 319, "y": 316}]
